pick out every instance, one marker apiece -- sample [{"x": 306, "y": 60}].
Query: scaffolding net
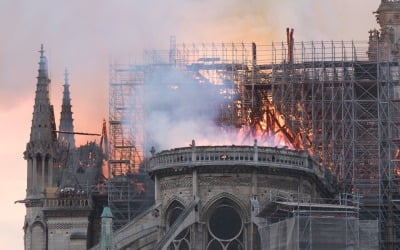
[{"x": 324, "y": 233}]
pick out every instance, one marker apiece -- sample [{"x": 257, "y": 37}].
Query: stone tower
[
  {"x": 57, "y": 203},
  {"x": 66, "y": 121},
  {"x": 40, "y": 154},
  {"x": 388, "y": 36},
  {"x": 40, "y": 150}
]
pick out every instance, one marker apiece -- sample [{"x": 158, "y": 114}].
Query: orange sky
[{"x": 85, "y": 35}]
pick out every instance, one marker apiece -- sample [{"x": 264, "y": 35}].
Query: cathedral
[
  {"x": 60, "y": 213},
  {"x": 202, "y": 197},
  {"x": 335, "y": 187}
]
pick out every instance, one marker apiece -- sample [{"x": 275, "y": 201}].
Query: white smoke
[{"x": 178, "y": 109}]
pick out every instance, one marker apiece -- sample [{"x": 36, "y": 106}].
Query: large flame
[
  {"x": 263, "y": 124},
  {"x": 268, "y": 127}
]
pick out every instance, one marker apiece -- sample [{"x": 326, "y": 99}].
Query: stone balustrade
[
  {"x": 67, "y": 203},
  {"x": 233, "y": 155}
]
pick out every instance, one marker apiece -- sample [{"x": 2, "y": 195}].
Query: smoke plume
[{"x": 178, "y": 109}]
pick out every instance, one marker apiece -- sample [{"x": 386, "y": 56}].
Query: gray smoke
[{"x": 178, "y": 109}]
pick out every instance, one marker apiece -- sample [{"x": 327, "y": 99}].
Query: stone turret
[
  {"x": 106, "y": 241},
  {"x": 66, "y": 121},
  {"x": 40, "y": 149},
  {"x": 387, "y": 38},
  {"x": 40, "y": 155}
]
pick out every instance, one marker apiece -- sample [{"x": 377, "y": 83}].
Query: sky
[{"x": 85, "y": 36}]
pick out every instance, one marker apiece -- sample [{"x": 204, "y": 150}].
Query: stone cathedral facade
[{"x": 60, "y": 214}]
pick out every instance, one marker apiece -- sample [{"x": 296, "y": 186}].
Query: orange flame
[{"x": 264, "y": 124}]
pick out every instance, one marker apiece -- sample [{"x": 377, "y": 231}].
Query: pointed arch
[
  {"x": 173, "y": 199},
  {"x": 173, "y": 209},
  {"x": 38, "y": 236},
  {"x": 225, "y": 197},
  {"x": 225, "y": 217}
]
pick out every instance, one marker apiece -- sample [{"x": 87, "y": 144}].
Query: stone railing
[
  {"x": 79, "y": 203},
  {"x": 232, "y": 155},
  {"x": 260, "y": 157},
  {"x": 390, "y": 1}
]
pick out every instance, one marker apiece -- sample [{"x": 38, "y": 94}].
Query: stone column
[
  {"x": 50, "y": 172},
  {"x": 29, "y": 176},
  {"x": 193, "y": 151},
  {"x": 194, "y": 174},
  {"x": 195, "y": 184},
  {"x": 157, "y": 194},
  {"x": 34, "y": 175},
  {"x": 254, "y": 186},
  {"x": 254, "y": 173},
  {"x": 255, "y": 156},
  {"x": 43, "y": 173}
]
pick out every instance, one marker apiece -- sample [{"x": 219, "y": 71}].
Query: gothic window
[
  {"x": 173, "y": 213},
  {"x": 225, "y": 228},
  {"x": 182, "y": 241},
  {"x": 38, "y": 238}
]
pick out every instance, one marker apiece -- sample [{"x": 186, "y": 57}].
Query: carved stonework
[
  {"x": 42, "y": 148},
  {"x": 273, "y": 183},
  {"x": 66, "y": 225},
  {"x": 33, "y": 203},
  {"x": 225, "y": 181},
  {"x": 385, "y": 41},
  {"x": 176, "y": 182}
]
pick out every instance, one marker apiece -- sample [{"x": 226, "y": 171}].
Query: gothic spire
[
  {"x": 43, "y": 124},
  {"x": 66, "y": 121},
  {"x": 39, "y": 151}
]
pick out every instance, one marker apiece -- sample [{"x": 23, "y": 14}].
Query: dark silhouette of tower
[{"x": 66, "y": 120}]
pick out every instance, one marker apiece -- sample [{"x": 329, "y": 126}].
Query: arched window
[
  {"x": 182, "y": 241},
  {"x": 225, "y": 227},
  {"x": 173, "y": 212},
  {"x": 38, "y": 239}
]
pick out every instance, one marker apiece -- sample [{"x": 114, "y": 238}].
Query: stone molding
[
  {"x": 244, "y": 210},
  {"x": 229, "y": 180},
  {"x": 180, "y": 182},
  {"x": 66, "y": 225}
]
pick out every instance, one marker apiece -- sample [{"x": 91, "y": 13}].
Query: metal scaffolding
[
  {"x": 346, "y": 109},
  {"x": 339, "y": 104},
  {"x": 320, "y": 224},
  {"x": 338, "y": 100},
  {"x": 130, "y": 191},
  {"x": 125, "y": 119},
  {"x": 128, "y": 196}
]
